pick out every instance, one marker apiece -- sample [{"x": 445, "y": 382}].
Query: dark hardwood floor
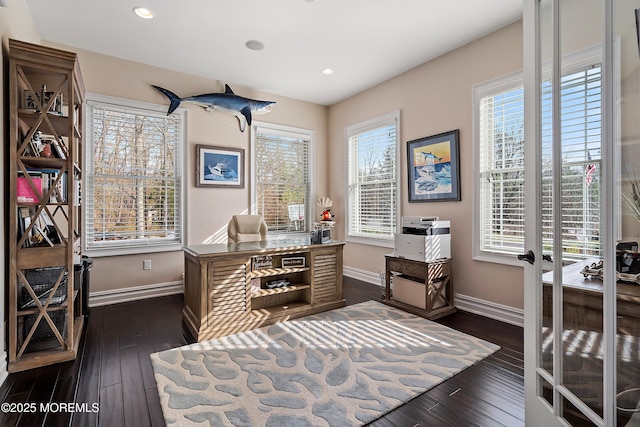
[{"x": 113, "y": 370}]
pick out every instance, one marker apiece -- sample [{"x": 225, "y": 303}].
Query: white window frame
[
  {"x": 376, "y": 122},
  {"x": 571, "y": 62},
  {"x": 138, "y": 246},
  {"x": 293, "y": 132}
]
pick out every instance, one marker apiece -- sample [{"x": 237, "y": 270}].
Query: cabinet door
[
  {"x": 228, "y": 283},
  {"x": 326, "y": 283}
]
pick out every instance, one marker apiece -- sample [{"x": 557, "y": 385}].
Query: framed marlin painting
[
  {"x": 434, "y": 168},
  {"x": 219, "y": 167}
]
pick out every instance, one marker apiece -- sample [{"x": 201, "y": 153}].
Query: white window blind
[
  {"x": 502, "y": 171},
  {"x": 372, "y": 181},
  {"x": 501, "y": 165},
  {"x": 282, "y": 159},
  {"x": 581, "y": 133},
  {"x": 133, "y": 177}
]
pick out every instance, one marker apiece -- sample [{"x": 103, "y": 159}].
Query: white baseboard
[
  {"x": 484, "y": 308},
  {"x": 4, "y": 371},
  {"x": 116, "y": 296},
  {"x": 363, "y": 275},
  {"x": 503, "y": 313}
]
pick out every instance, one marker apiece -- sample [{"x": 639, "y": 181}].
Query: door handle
[
  {"x": 529, "y": 257},
  {"x": 547, "y": 258}
]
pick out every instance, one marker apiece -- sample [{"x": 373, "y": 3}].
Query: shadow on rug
[{"x": 344, "y": 367}]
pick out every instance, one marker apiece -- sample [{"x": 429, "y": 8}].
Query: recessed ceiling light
[
  {"x": 254, "y": 45},
  {"x": 327, "y": 71},
  {"x": 143, "y": 12}
]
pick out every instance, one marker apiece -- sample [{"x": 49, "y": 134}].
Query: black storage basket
[
  {"x": 43, "y": 337},
  {"x": 42, "y": 281}
]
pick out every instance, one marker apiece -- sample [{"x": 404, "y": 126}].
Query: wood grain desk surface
[{"x": 572, "y": 278}]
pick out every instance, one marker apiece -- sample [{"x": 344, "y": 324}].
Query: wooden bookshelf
[{"x": 45, "y": 143}]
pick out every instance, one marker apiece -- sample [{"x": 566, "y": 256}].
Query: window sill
[
  {"x": 371, "y": 242},
  {"x": 133, "y": 250},
  {"x": 512, "y": 259},
  {"x": 505, "y": 259}
]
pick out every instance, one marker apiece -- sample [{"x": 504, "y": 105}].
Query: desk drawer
[{"x": 408, "y": 267}]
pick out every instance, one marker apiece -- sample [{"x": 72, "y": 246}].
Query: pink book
[{"x": 24, "y": 191}]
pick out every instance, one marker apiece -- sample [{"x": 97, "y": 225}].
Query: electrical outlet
[{"x": 146, "y": 264}]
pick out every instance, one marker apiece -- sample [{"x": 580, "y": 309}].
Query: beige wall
[
  {"x": 433, "y": 98},
  {"x": 208, "y": 210}
]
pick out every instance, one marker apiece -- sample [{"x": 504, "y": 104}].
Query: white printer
[{"x": 423, "y": 239}]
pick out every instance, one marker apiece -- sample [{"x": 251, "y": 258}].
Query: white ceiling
[{"x": 365, "y": 41}]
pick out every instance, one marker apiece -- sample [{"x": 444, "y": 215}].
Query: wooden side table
[{"x": 430, "y": 283}]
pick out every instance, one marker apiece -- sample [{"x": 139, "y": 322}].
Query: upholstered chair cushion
[{"x": 247, "y": 228}]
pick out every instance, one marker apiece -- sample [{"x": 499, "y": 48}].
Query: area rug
[{"x": 345, "y": 367}]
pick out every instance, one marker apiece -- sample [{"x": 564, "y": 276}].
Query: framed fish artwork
[
  {"x": 219, "y": 167},
  {"x": 434, "y": 168}
]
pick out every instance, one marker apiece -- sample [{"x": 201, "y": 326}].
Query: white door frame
[{"x": 537, "y": 410}]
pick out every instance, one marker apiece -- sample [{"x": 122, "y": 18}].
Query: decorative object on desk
[
  {"x": 627, "y": 258},
  {"x": 434, "y": 168},
  {"x": 596, "y": 270},
  {"x": 321, "y": 232},
  {"x": 219, "y": 167},
  {"x": 326, "y": 204},
  {"x": 275, "y": 375},
  {"x": 242, "y": 108},
  {"x": 278, "y": 283},
  {"x": 261, "y": 262},
  {"x": 294, "y": 261}
]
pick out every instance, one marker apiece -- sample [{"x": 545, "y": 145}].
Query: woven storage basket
[{"x": 42, "y": 281}]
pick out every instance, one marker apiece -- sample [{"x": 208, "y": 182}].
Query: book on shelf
[
  {"x": 57, "y": 149},
  {"x": 46, "y": 181},
  {"x": 24, "y": 220},
  {"x": 29, "y": 192}
]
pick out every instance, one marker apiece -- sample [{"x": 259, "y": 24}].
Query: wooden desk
[
  {"x": 219, "y": 298},
  {"x": 583, "y": 297},
  {"x": 437, "y": 291}
]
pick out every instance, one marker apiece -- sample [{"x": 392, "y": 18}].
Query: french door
[{"x": 582, "y": 161}]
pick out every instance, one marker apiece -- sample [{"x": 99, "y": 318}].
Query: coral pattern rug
[{"x": 344, "y": 367}]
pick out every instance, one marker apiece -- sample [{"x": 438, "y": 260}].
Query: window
[
  {"x": 372, "y": 180},
  {"x": 499, "y": 110},
  {"x": 133, "y": 177},
  {"x": 281, "y": 165}
]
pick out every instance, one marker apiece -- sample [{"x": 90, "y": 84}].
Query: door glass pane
[
  {"x": 581, "y": 43},
  {"x": 574, "y": 416},
  {"x": 628, "y": 264},
  {"x": 546, "y": 118}
]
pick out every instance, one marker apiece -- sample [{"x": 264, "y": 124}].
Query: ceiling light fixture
[
  {"x": 254, "y": 45},
  {"x": 327, "y": 71},
  {"x": 143, "y": 12}
]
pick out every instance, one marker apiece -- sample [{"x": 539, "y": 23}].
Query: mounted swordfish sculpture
[{"x": 242, "y": 108}]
